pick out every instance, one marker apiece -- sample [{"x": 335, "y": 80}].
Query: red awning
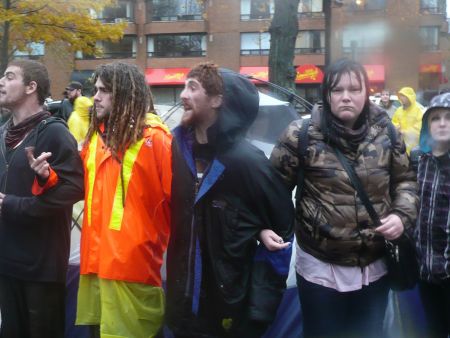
[
  {"x": 166, "y": 76},
  {"x": 305, "y": 73},
  {"x": 309, "y": 74},
  {"x": 375, "y": 73},
  {"x": 261, "y": 73},
  {"x": 430, "y": 68}
]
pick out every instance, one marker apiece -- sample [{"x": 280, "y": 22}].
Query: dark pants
[
  {"x": 242, "y": 328},
  {"x": 31, "y": 309},
  {"x": 436, "y": 303},
  {"x": 330, "y": 313},
  {"x": 247, "y": 329}
]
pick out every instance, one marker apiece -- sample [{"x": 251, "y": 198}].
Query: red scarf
[{"x": 16, "y": 133}]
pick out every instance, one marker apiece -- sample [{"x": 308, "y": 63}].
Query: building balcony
[
  {"x": 245, "y": 52},
  {"x": 185, "y": 17},
  {"x": 310, "y": 50},
  {"x": 108, "y": 55},
  {"x": 177, "y": 54}
]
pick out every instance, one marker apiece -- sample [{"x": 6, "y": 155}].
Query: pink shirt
[{"x": 338, "y": 277}]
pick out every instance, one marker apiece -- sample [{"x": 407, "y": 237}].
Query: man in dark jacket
[
  {"x": 225, "y": 196},
  {"x": 36, "y": 198}
]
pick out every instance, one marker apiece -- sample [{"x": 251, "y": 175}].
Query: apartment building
[
  {"x": 405, "y": 42},
  {"x": 167, "y": 37}
]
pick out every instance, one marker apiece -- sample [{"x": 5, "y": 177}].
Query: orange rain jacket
[{"x": 126, "y": 217}]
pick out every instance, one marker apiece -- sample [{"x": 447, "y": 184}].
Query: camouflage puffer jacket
[{"x": 332, "y": 224}]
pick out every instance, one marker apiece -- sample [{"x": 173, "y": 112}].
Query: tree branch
[{"x": 34, "y": 10}]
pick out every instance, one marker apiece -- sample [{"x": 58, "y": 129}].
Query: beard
[{"x": 188, "y": 119}]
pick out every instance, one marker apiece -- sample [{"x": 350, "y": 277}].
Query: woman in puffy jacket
[{"x": 341, "y": 272}]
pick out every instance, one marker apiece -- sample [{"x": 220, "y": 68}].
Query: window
[
  {"x": 363, "y": 39},
  {"x": 368, "y": 5},
  {"x": 255, "y": 43},
  {"x": 124, "y": 11},
  {"x": 429, "y": 37},
  {"x": 124, "y": 49},
  {"x": 312, "y": 8},
  {"x": 176, "y": 45},
  {"x": 256, "y": 9},
  {"x": 173, "y": 10},
  {"x": 310, "y": 42},
  {"x": 33, "y": 51},
  {"x": 432, "y": 6},
  {"x": 310, "y": 92},
  {"x": 166, "y": 96}
]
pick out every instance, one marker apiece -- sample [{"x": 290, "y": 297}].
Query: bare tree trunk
[
  {"x": 283, "y": 32},
  {"x": 327, "y": 12},
  {"x": 4, "y": 52}
]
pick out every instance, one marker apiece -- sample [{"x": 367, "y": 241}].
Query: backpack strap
[
  {"x": 44, "y": 123},
  {"x": 302, "y": 147}
]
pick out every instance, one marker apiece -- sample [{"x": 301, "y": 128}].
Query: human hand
[
  {"x": 391, "y": 227},
  {"x": 272, "y": 241},
  {"x": 40, "y": 165}
]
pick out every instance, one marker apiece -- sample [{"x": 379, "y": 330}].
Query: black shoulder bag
[{"x": 403, "y": 268}]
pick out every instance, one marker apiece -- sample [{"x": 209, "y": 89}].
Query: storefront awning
[
  {"x": 309, "y": 74},
  {"x": 430, "y": 68},
  {"x": 261, "y": 73},
  {"x": 375, "y": 73},
  {"x": 166, "y": 76},
  {"x": 305, "y": 73}
]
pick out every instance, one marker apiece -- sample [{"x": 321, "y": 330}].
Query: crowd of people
[{"x": 217, "y": 206}]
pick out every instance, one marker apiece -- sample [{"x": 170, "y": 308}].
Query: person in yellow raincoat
[
  {"x": 408, "y": 118},
  {"x": 79, "y": 119}
]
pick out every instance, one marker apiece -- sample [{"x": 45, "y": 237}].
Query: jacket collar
[{"x": 185, "y": 140}]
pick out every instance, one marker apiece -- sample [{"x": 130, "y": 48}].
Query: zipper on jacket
[
  {"x": 191, "y": 241},
  {"x": 191, "y": 252}
]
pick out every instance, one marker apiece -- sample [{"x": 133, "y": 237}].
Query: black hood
[{"x": 238, "y": 111}]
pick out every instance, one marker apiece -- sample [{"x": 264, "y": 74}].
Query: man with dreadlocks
[{"x": 127, "y": 162}]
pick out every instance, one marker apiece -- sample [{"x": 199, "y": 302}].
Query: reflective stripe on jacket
[{"x": 126, "y": 217}]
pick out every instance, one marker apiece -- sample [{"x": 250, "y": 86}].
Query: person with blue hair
[{"x": 433, "y": 222}]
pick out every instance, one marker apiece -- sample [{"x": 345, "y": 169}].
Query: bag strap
[
  {"x": 302, "y": 146},
  {"x": 356, "y": 182},
  {"x": 43, "y": 124}
]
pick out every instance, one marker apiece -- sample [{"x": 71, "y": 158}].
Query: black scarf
[
  {"x": 16, "y": 133},
  {"x": 353, "y": 136}
]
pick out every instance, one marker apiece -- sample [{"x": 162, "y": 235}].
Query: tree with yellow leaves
[{"x": 51, "y": 21}]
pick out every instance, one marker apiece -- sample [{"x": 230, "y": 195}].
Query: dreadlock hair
[
  {"x": 131, "y": 100},
  {"x": 207, "y": 73}
]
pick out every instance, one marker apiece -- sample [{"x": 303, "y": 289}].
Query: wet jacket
[
  {"x": 433, "y": 221},
  {"x": 126, "y": 214},
  {"x": 330, "y": 216},
  {"x": 409, "y": 120},
  {"x": 240, "y": 195},
  {"x": 79, "y": 119},
  {"x": 35, "y": 229}
]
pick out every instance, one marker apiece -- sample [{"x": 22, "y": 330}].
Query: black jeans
[
  {"x": 436, "y": 303},
  {"x": 330, "y": 313},
  {"x": 31, "y": 309}
]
